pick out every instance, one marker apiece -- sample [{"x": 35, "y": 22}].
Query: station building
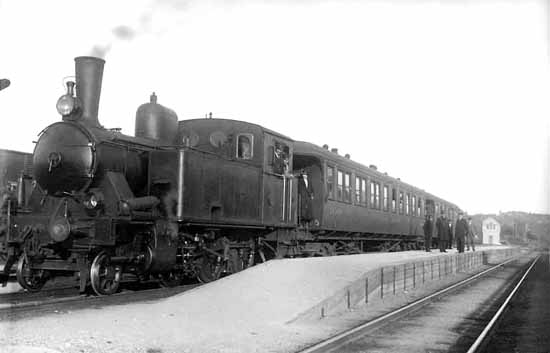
[{"x": 491, "y": 231}]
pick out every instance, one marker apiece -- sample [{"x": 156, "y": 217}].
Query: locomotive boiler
[{"x": 197, "y": 198}]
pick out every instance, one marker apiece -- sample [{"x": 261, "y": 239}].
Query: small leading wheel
[
  {"x": 31, "y": 280},
  {"x": 105, "y": 277}
]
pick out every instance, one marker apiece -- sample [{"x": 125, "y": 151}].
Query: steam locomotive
[{"x": 193, "y": 198}]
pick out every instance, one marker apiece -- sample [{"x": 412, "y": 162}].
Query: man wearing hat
[
  {"x": 461, "y": 231},
  {"x": 428, "y": 225},
  {"x": 442, "y": 232}
]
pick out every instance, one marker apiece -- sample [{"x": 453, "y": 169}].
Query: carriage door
[{"x": 279, "y": 184}]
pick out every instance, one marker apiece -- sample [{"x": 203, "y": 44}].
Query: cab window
[
  {"x": 281, "y": 154},
  {"x": 245, "y": 144}
]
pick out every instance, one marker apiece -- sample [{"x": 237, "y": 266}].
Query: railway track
[
  {"x": 451, "y": 319},
  {"x": 20, "y": 305},
  {"x": 482, "y": 340}
]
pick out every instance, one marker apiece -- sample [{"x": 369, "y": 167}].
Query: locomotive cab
[{"x": 243, "y": 171}]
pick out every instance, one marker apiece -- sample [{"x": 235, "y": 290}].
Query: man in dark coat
[
  {"x": 450, "y": 231},
  {"x": 461, "y": 231},
  {"x": 428, "y": 226},
  {"x": 442, "y": 232}
]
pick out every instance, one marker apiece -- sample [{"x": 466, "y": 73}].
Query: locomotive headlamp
[
  {"x": 67, "y": 103},
  {"x": 92, "y": 200}
]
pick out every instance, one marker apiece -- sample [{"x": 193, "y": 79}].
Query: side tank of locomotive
[{"x": 92, "y": 203}]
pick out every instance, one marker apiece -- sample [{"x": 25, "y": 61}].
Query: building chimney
[{"x": 89, "y": 74}]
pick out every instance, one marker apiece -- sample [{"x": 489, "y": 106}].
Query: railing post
[
  {"x": 414, "y": 274},
  {"x": 367, "y": 290},
  {"x": 382, "y": 282},
  {"x": 404, "y": 277},
  {"x": 394, "y": 279}
]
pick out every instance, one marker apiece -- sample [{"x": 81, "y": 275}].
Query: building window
[
  {"x": 393, "y": 200},
  {"x": 245, "y": 144},
  {"x": 347, "y": 187},
  {"x": 401, "y": 202},
  {"x": 385, "y": 204},
  {"x": 330, "y": 182},
  {"x": 340, "y": 186}
]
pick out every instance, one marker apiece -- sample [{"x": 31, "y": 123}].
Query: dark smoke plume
[{"x": 123, "y": 33}]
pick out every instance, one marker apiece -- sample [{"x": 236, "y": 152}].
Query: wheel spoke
[{"x": 105, "y": 277}]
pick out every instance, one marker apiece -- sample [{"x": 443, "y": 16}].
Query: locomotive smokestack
[{"x": 89, "y": 74}]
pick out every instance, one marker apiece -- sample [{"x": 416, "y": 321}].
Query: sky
[{"x": 450, "y": 96}]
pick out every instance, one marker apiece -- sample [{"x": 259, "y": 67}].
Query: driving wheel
[
  {"x": 31, "y": 280},
  {"x": 210, "y": 269},
  {"x": 104, "y": 275}
]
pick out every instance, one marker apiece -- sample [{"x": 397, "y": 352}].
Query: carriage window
[
  {"x": 413, "y": 206},
  {"x": 374, "y": 195},
  {"x": 358, "y": 191},
  {"x": 340, "y": 186},
  {"x": 401, "y": 202},
  {"x": 385, "y": 205},
  {"x": 330, "y": 181},
  {"x": 245, "y": 142},
  {"x": 407, "y": 203},
  {"x": 393, "y": 200},
  {"x": 419, "y": 209},
  {"x": 363, "y": 191},
  {"x": 347, "y": 187}
]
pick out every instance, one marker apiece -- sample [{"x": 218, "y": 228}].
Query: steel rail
[
  {"x": 92, "y": 299},
  {"x": 318, "y": 347},
  {"x": 485, "y": 333}
]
